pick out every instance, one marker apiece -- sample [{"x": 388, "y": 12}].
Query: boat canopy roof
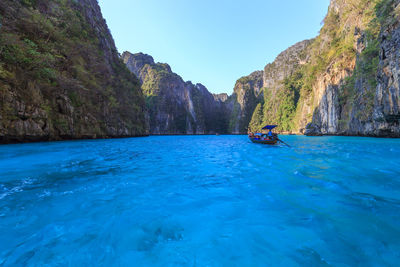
[{"x": 270, "y": 127}]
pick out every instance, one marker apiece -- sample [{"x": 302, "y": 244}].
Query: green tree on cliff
[{"x": 256, "y": 122}]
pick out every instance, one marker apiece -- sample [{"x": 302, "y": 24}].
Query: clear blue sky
[{"x": 213, "y": 42}]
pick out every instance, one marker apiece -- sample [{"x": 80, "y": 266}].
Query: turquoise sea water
[{"x": 201, "y": 201}]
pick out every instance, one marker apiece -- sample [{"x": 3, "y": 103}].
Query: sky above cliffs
[{"x": 213, "y": 42}]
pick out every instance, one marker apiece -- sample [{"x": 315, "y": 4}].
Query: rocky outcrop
[
  {"x": 246, "y": 95},
  {"x": 175, "y": 106},
  {"x": 61, "y": 76},
  {"x": 221, "y": 97},
  {"x": 178, "y": 107},
  {"x": 312, "y": 130},
  {"x": 376, "y": 109},
  {"x": 280, "y": 89},
  {"x": 361, "y": 97},
  {"x": 285, "y": 64},
  {"x": 343, "y": 82}
]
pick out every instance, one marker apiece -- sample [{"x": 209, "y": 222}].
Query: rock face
[
  {"x": 361, "y": 96},
  {"x": 281, "y": 89},
  {"x": 175, "y": 106},
  {"x": 246, "y": 95},
  {"x": 221, "y": 97},
  {"x": 285, "y": 64},
  {"x": 343, "y": 82},
  {"x": 178, "y": 107},
  {"x": 376, "y": 108},
  {"x": 312, "y": 130},
  {"x": 61, "y": 76}
]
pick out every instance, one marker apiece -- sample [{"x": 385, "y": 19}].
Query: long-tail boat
[{"x": 269, "y": 138}]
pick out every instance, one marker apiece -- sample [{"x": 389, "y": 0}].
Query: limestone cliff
[
  {"x": 61, "y": 76},
  {"x": 358, "y": 93},
  {"x": 345, "y": 81},
  {"x": 175, "y": 106},
  {"x": 241, "y": 104},
  {"x": 375, "y": 80},
  {"x": 281, "y": 88},
  {"x": 178, "y": 107}
]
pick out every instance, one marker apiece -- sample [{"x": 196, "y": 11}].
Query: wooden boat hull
[{"x": 264, "y": 142}]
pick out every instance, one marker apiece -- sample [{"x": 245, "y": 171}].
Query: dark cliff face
[
  {"x": 175, "y": 106},
  {"x": 61, "y": 76}
]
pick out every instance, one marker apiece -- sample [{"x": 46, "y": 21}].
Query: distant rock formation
[
  {"x": 175, "y": 106},
  {"x": 221, "y": 97},
  {"x": 241, "y": 104},
  {"x": 281, "y": 89}
]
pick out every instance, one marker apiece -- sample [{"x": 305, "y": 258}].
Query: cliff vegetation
[{"x": 61, "y": 76}]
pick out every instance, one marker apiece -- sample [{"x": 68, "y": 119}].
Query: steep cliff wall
[
  {"x": 374, "y": 85},
  {"x": 281, "y": 89},
  {"x": 61, "y": 76},
  {"x": 241, "y": 104},
  {"x": 175, "y": 106},
  {"x": 345, "y": 81},
  {"x": 336, "y": 48},
  {"x": 358, "y": 92}
]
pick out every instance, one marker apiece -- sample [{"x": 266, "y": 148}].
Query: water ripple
[{"x": 201, "y": 201}]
